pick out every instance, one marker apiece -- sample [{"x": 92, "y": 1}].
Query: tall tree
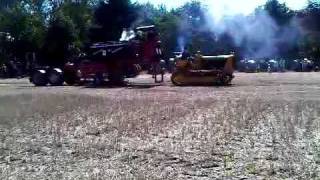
[
  {"x": 287, "y": 33},
  {"x": 279, "y": 12},
  {"x": 25, "y": 25},
  {"x": 168, "y": 25},
  {"x": 68, "y": 26},
  {"x": 147, "y": 14},
  {"x": 193, "y": 30},
  {"x": 111, "y": 17},
  {"x": 60, "y": 36},
  {"x": 82, "y": 21},
  {"x": 309, "y": 17}
]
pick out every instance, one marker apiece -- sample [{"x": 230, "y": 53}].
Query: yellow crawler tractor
[{"x": 203, "y": 70}]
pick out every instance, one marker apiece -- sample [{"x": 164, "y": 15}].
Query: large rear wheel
[
  {"x": 98, "y": 80},
  {"x": 116, "y": 78},
  {"x": 70, "y": 78},
  {"x": 55, "y": 77},
  {"x": 39, "y": 78}
]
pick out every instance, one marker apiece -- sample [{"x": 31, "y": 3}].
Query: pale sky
[{"x": 228, "y": 7}]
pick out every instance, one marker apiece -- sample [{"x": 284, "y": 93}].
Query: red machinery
[{"x": 113, "y": 61}]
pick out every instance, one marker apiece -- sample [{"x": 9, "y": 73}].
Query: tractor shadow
[
  {"x": 204, "y": 85},
  {"x": 143, "y": 85},
  {"x": 127, "y": 85}
]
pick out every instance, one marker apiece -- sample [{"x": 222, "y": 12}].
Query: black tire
[
  {"x": 70, "y": 78},
  {"x": 55, "y": 77},
  {"x": 98, "y": 80},
  {"x": 116, "y": 78},
  {"x": 39, "y": 78}
]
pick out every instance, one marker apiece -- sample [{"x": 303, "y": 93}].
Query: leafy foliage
[
  {"x": 279, "y": 12},
  {"x": 81, "y": 21},
  {"x": 27, "y": 28},
  {"x": 50, "y": 28},
  {"x": 110, "y": 18},
  {"x": 60, "y": 35},
  {"x": 168, "y": 25}
]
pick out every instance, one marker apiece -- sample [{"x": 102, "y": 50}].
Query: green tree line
[{"x": 54, "y": 29}]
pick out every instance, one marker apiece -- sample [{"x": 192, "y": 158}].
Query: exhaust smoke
[
  {"x": 252, "y": 29},
  {"x": 257, "y": 34},
  {"x": 181, "y": 43}
]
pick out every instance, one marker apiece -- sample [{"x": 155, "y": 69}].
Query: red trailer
[{"x": 109, "y": 61}]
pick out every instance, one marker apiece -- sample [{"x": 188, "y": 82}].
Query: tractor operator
[{"x": 185, "y": 54}]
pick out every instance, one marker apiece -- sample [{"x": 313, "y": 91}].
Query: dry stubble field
[{"x": 264, "y": 126}]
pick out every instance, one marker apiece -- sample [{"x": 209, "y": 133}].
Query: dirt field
[{"x": 264, "y": 126}]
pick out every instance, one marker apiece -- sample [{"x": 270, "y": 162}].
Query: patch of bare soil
[{"x": 264, "y": 126}]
